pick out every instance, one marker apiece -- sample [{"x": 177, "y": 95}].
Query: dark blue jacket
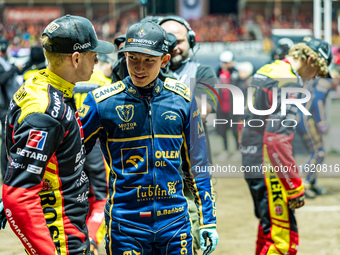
[{"x": 151, "y": 145}]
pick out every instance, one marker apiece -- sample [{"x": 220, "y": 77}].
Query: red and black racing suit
[
  {"x": 272, "y": 174},
  {"x": 45, "y": 188}
]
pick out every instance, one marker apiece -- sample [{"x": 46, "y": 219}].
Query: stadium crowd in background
[{"x": 212, "y": 28}]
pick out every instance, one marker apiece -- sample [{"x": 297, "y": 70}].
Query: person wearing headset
[{"x": 185, "y": 67}]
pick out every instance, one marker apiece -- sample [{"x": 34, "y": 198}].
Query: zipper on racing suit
[{"x": 153, "y": 153}]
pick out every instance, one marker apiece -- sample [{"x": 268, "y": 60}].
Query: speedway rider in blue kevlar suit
[
  {"x": 151, "y": 135},
  {"x": 311, "y": 129}
]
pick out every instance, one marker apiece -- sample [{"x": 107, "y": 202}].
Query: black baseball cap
[
  {"x": 320, "y": 46},
  {"x": 148, "y": 38},
  {"x": 76, "y": 34}
]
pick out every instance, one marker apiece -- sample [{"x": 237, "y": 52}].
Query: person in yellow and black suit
[
  {"x": 45, "y": 190},
  {"x": 267, "y": 157}
]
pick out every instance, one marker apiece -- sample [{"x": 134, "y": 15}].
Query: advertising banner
[
  {"x": 16, "y": 14},
  {"x": 191, "y": 9}
]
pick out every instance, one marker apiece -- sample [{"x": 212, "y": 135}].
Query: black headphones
[{"x": 190, "y": 34}]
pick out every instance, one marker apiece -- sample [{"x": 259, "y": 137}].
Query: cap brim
[
  {"x": 142, "y": 50},
  {"x": 104, "y": 47}
]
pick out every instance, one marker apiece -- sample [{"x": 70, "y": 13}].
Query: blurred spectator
[
  {"x": 281, "y": 48},
  {"x": 35, "y": 62},
  {"x": 245, "y": 71},
  {"x": 311, "y": 129},
  {"x": 102, "y": 71},
  {"x": 8, "y": 86},
  {"x": 228, "y": 74},
  {"x": 119, "y": 69}
]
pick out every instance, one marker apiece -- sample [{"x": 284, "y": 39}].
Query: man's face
[
  {"x": 86, "y": 63},
  {"x": 181, "y": 51},
  {"x": 143, "y": 69}
]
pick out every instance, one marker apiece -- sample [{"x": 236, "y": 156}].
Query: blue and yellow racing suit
[
  {"x": 150, "y": 143},
  {"x": 312, "y": 127}
]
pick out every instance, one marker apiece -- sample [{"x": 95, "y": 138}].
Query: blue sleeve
[
  {"x": 197, "y": 175},
  {"x": 322, "y": 89},
  {"x": 90, "y": 120}
]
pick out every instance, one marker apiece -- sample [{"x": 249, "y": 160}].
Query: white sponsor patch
[
  {"x": 78, "y": 46},
  {"x": 34, "y": 169},
  {"x": 52, "y": 27}
]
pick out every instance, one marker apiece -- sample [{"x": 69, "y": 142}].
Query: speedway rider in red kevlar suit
[{"x": 268, "y": 146}]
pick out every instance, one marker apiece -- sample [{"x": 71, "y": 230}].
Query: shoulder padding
[
  {"x": 31, "y": 98},
  {"x": 177, "y": 87},
  {"x": 107, "y": 91},
  {"x": 277, "y": 69}
]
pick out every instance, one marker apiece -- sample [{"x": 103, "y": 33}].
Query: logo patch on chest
[{"x": 125, "y": 112}]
